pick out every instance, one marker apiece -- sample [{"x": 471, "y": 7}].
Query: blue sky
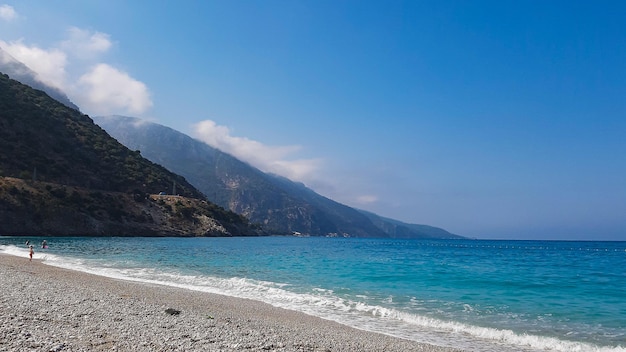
[{"x": 491, "y": 119}]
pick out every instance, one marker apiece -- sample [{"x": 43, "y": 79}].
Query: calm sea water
[{"x": 473, "y": 294}]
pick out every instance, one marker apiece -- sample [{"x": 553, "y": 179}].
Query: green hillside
[{"x": 63, "y": 154}]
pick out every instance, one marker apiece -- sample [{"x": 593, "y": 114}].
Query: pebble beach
[{"x": 45, "y": 308}]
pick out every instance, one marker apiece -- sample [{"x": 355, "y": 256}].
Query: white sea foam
[{"x": 326, "y": 304}]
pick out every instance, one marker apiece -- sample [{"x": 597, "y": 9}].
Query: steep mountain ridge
[
  {"x": 279, "y": 204},
  {"x": 22, "y": 73},
  {"x": 399, "y": 229},
  {"x": 62, "y": 174}
]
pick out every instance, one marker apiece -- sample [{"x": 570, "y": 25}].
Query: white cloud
[
  {"x": 106, "y": 90},
  {"x": 75, "y": 66},
  {"x": 7, "y": 12},
  {"x": 48, "y": 64},
  {"x": 86, "y": 44},
  {"x": 366, "y": 199},
  {"x": 274, "y": 159},
  {"x": 281, "y": 160}
]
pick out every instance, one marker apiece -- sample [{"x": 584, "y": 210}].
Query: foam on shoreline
[{"x": 48, "y": 308}]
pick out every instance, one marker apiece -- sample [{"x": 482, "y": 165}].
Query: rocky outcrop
[{"x": 40, "y": 208}]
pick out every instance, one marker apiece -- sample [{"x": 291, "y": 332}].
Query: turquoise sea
[{"x": 473, "y": 294}]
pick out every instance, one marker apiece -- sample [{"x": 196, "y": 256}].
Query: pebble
[{"x": 44, "y": 308}]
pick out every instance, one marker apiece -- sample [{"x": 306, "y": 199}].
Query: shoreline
[{"x": 46, "y": 308}]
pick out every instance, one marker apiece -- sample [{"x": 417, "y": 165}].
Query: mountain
[
  {"x": 277, "y": 203},
  {"x": 20, "y": 72},
  {"x": 399, "y": 229},
  {"x": 63, "y": 175}
]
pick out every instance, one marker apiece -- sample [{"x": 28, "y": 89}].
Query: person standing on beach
[{"x": 31, "y": 252}]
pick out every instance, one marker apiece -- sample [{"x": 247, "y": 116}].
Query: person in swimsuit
[{"x": 31, "y": 252}]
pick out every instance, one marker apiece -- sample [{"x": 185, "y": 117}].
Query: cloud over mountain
[
  {"x": 79, "y": 63},
  {"x": 104, "y": 88},
  {"x": 48, "y": 64},
  {"x": 284, "y": 161},
  {"x": 273, "y": 159},
  {"x": 76, "y": 65}
]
